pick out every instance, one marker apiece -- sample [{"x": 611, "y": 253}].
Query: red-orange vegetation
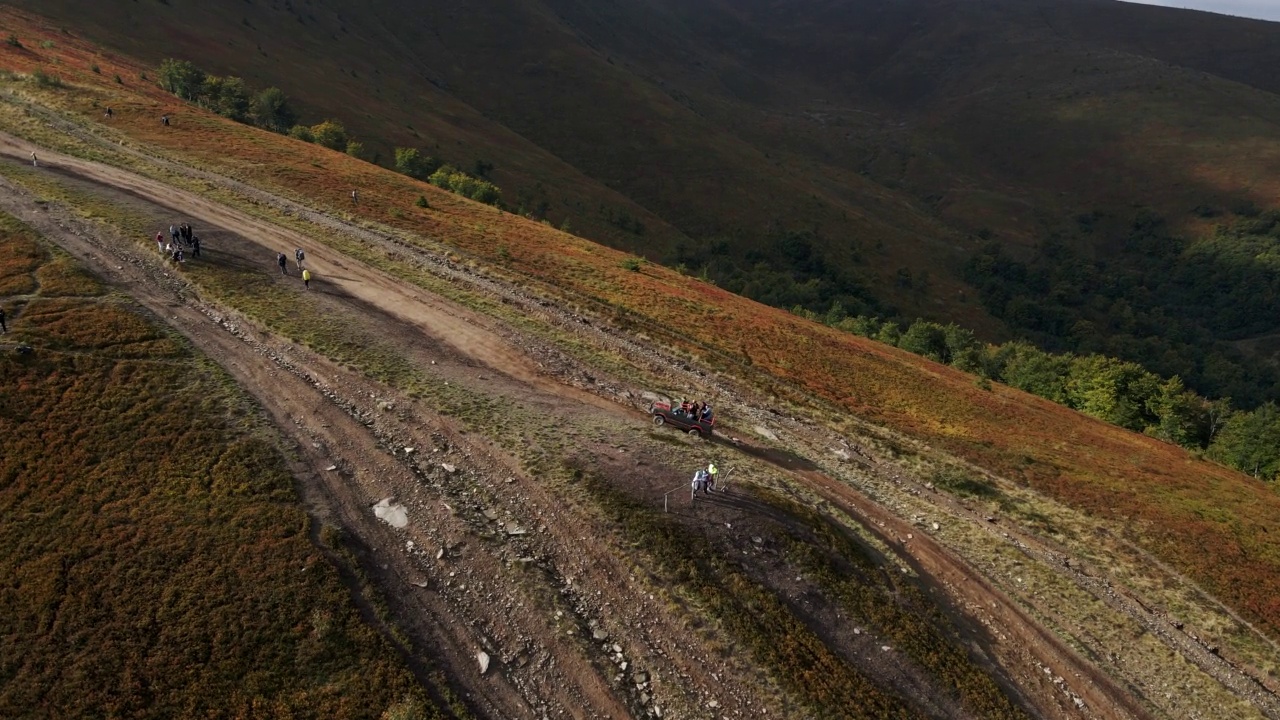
[
  {"x": 156, "y": 561},
  {"x": 1209, "y": 522}
]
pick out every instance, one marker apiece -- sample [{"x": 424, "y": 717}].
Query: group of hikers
[
  {"x": 704, "y": 479},
  {"x": 298, "y": 256},
  {"x": 181, "y": 238},
  {"x": 696, "y": 410}
]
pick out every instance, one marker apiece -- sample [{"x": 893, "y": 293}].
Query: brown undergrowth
[{"x": 157, "y": 563}]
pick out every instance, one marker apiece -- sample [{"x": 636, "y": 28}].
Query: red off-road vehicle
[{"x": 664, "y": 414}]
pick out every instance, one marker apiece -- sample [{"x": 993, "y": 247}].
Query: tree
[
  {"x": 355, "y": 149},
  {"x": 226, "y": 96},
  {"x": 181, "y": 78},
  {"x": 271, "y": 110},
  {"x": 302, "y": 132},
  {"x": 1182, "y": 417},
  {"x": 1112, "y": 390},
  {"x": 330, "y": 134},
  {"x": 927, "y": 339},
  {"x": 963, "y": 349},
  {"x": 1250, "y": 442},
  {"x": 414, "y": 164},
  {"x": 1032, "y": 370},
  {"x": 889, "y": 333}
]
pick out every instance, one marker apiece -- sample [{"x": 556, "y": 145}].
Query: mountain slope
[
  {"x": 803, "y": 153},
  {"x": 488, "y": 373}
]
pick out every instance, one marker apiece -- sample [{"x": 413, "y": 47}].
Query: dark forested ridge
[{"x": 1094, "y": 177}]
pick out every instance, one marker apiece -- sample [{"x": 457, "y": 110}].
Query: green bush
[
  {"x": 302, "y": 132},
  {"x": 411, "y": 162},
  {"x": 330, "y": 134},
  {"x": 226, "y": 96},
  {"x": 422, "y": 201},
  {"x": 270, "y": 110},
  {"x": 632, "y": 263},
  {"x": 45, "y": 80},
  {"x": 454, "y": 180}
]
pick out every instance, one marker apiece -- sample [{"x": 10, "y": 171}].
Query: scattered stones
[
  {"x": 600, "y": 634},
  {"x": 483, "y": 658},
  {"x": 451, "y": 469}
]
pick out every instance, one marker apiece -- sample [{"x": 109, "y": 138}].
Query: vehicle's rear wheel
[
  {"x": 695, "y": 432},
  {"x": 658, "y": 419}
]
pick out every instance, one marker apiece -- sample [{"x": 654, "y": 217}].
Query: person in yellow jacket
[
  {"x": 306, "y": 279},
  {"x": 711, "y": 476}
]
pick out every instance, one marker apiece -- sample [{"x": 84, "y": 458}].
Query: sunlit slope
[{"x": 1175, "y": 505}]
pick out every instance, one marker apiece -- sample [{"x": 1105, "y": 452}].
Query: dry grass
[{"x": 131, "y": 475}]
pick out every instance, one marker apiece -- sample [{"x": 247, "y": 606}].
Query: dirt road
[{"x": 492, "y": 560}]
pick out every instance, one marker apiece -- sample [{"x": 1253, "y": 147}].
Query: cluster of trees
[
  {"x": 330, "y": 134},
  {"x": 228, "y": 96},
  {"x": 411, "y": 162},
  {"x": 454, "y": 180},
  {"x": 1121, "y": 392},
  {"x": 1172, "y": 305},
  {"x": 269, "y": 109}
]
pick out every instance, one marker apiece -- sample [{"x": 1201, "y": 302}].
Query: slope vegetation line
[{"x": 399, "y": 300}]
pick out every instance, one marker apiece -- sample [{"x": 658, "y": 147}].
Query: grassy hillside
[
  {"x": 1165, "y": 494},
  {"x": 132, "y": 471}
]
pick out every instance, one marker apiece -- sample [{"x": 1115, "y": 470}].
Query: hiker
[
  {"x": 195, "y": 246},
  {"x": 355, "y": 197},
  {"x": 3, "y": 328},
  {"x": 109, "y": 114},
  {"x": 284, "y": 266},
  {"x": 712, "y": 471},
  {"x": 699, "y": 482},
  {"x": 160, "y": 242},
  {"x": 173, "y": 233},
  {"x": 34, "y": 163},
  {"x": 299, "y": 256},
  {"x": 306, "y": 279},
  {"x": 177, "y": 254},
  {"x": 164, "y": 120}
]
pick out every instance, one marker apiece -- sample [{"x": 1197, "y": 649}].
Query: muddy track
[{"x": 332, "y": 417}]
